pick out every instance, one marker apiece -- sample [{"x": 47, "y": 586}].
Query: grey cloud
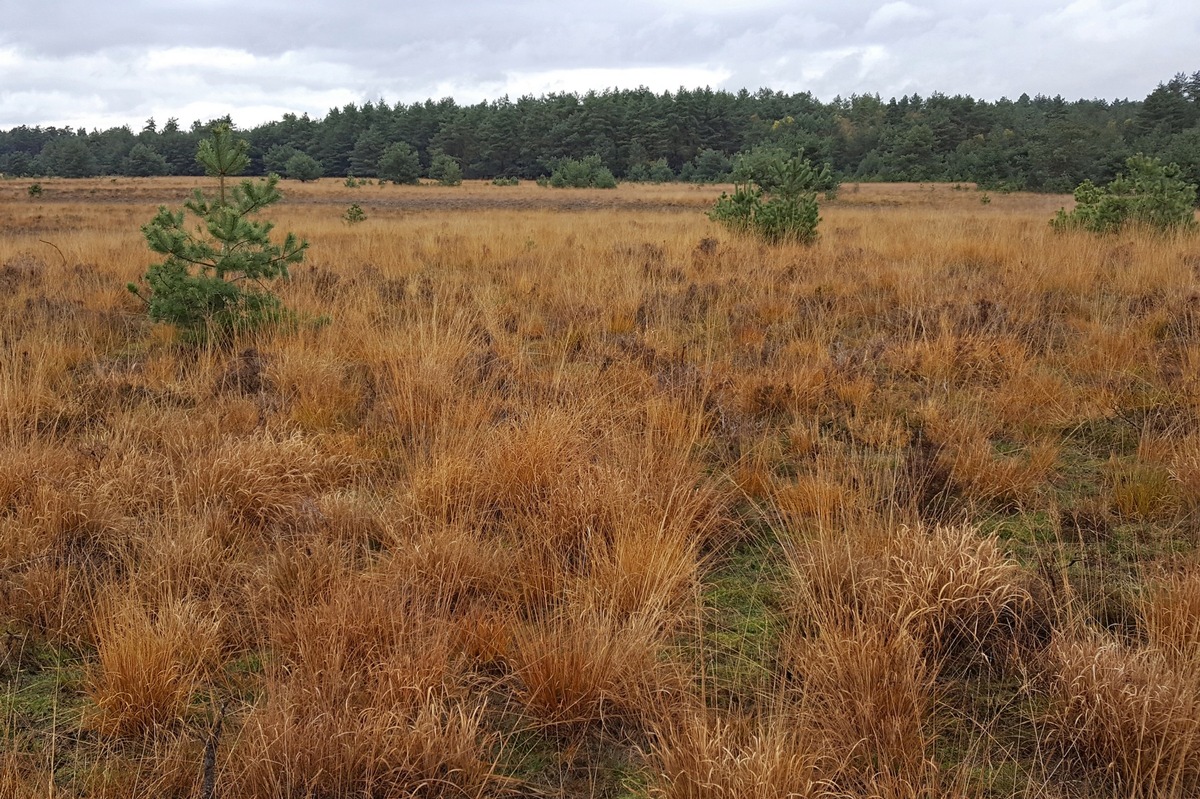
[{"x": 88, "y": 63}]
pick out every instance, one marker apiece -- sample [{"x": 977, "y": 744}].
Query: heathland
[{"x": 576, "y": 493}]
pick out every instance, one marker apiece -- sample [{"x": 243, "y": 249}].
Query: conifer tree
[{"x": 215, "y": 278}]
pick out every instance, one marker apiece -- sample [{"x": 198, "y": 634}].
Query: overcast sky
[{"x": 90, "y": 64}]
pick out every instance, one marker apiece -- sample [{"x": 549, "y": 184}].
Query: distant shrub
[
  {"x": 354, "y": 214},
  {"x": 1148, "y": 193},
  {"x": 652, "y": 172},
  {"x": 352, "y": 182},
  {"x": 709, "y": 166},
  {"x": 400, "y": 164},
  {"x": 35, "y": 190},
  {"x": 445, "y": 170},
  {"x": 660, "y": 171},
  {"x": 144, "y": 162},
  {"x": 502, "y": 181},
  {"x": 276, "y": 158},
  {"x": 303, "y": 167},
  {"x": 786, "y": 211},
  {"x": 588, "y": 173}
]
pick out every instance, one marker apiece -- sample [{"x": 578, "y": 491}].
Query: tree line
[{"x": 1031, "y": 143}]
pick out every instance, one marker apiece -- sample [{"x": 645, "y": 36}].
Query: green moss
[{"x": 744, "y": 621}]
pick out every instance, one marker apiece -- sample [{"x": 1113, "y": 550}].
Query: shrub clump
[
  {"x": 445, "y": 170},
  {"x": 1148, "y": 193},
  {"x": 400, "y": 164},
  {"x": 215, "y": 279},
  {"x": 778, "y": 203},
  {"x": 658, "y": 171},
  {"x": 588, "y": 173},
  {"x": 303, "y": 167}
]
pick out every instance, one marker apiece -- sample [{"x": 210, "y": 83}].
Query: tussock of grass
[
  {"x": 149, "y": 662},
  {"x": 1128, "y": 714},
  {"x": 951, "y": 591}
]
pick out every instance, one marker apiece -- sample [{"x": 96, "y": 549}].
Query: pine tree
[
  {"x": 399, "y": 164},
  {"x": 143, "y": 161},
  {"x": 215, "y": 278},
  {"x": 445, "y": 170},
  {"x": 303, "y": 167}
]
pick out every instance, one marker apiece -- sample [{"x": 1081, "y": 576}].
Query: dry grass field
[{"x": 575, "y": 494}]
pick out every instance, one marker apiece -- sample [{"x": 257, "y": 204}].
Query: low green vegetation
[
  {"x": 585, "y": 173},
  {"x": 303, "y": 167},
  {"x": 445, "y": 170},
  {"x": 400, "y": 164},
  {"x": 1148, "y": 193},
  {"x": 778, "y": 203}
]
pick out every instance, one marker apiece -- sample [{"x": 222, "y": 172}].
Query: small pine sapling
[
  {"x": 1148, "y": 193},
  {"x": 779, "y": 203},
  {"x": 215, "y": 280}
]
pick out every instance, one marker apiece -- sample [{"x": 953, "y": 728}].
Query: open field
[{"x": 577, "y": 494}]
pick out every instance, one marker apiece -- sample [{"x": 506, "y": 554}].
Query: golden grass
[
  {"x": 563, "y": 468},
  {"x": 1128, "y": 713},
  {"x": 149, "y": 662}
]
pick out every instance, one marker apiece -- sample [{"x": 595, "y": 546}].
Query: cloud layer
[{"x": 88, "y": 64}]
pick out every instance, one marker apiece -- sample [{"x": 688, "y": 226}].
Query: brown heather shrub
[
  {"x": 984, "y": 475},
  {"x": 425, "y": 371},
  {"x": 1127, "y": 715},
  {"x": 977, "y": 470},
  {"x": 321, "y": 391},
  {"x": 960, "y": 360},
  {"x": 166, "y": 764}
]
